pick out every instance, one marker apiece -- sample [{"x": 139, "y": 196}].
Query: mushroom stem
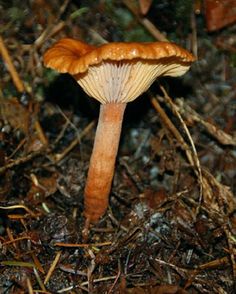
[{"x": 102, "y": 162}]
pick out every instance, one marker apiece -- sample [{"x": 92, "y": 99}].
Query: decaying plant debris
[{"x": 171, "y": 223}]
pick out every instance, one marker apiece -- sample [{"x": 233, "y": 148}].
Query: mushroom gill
[{"x": 124, "y": 81}]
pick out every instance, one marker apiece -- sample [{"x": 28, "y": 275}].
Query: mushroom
[{"x": 114, "y": 74}]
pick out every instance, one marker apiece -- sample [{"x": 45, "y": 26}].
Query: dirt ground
[{"x": 171, "y": 222}]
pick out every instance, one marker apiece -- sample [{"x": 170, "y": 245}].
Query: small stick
[
  {"x": 40, "y": 133},
  {"x": 153, "y": 30},
  {"x": 15, "y": 240},
  {"x": 48, "y": 32},
  {"x": 11, "y": 68},
  {"x": 19, "y": 206},
  {"x": 181, "y": 271},
  {"x": 61, "y": 134},
  {"x": 22, "y": 142},
  {"x": 220, "y": 135},
  {"x": 194, "y": 34},
  {"x": 144, "y": 6},
  {"x": 60, "y": 156},
  {"x": 17, "y": 216},
  {"x": 214, "y": 263},
  {"x": 150, "y": 27},
  {"x": 21, "y": 160},
  {"x": 82, "y": 245},
  {"x": 191, "y": 155},
  {"x": 99, "y": 280},
  {"x": 194, "y": 154},
  {"x": 29, "y": 286},
  {"x": 231, "y": 248},
  {"x": 172, "y": 128},
  {"x": 12, "y": 240},
  {"x": 113, "y": 285},
  {"x": 52, "y": 29},
  {"x": 18, "y": 84},
  {"x": 40, "y": 282},
  {"x": 37, "y": 263},
  {"x": 52, "y": 267}
]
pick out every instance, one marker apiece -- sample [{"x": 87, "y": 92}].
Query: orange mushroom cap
[{"x": 117, "y": 72}]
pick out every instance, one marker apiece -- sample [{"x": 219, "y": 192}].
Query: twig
[
  {"x": 37, "y": 263},
  {"x": 21, "y": 160},
  {"x": 59, "y": 157},
  {"x": 19, "y": 206},
  {"x": 231, "y": 249},
  {"x": 214, "y": 263},
  {"x": 22, "y": 142},
  {"x": 132, "y": 174},
  {"x": 47, "y": 33},
  {"x": 194, "y": 34},
  {"x": 68, "y": 269},
  {"x": 71, "y": 245},
  {"x": 66, "y": 289},
  {"x": 52, "y": 267},
  {"x": 11, "y": 68},
  {"x": 90, "y": 270},
  {"x": 182, "y": 271},
  {"x": 144, "y": 6},
  {"x": 191, "y": 154},
  {"x": 194, "y": 154},
  {"x": 61, "y": 134},
  {"x": 116, "y": 222},
  {"x": 99, "y": 280},
  {"x": 40, "y": 133},
  {"x": 117, "y": 277},
  {"x": 16, "y": 240},
  {"x": 29, "y": 286},
  {"x": 12, "y": 240},
  {"x": 167, "y": 122},
  {"x": 151, "y": 28},
  {"x": 52, "y": 29},
  {"x": 40, "y": 282},
  {"x": 213, "y": 130}
]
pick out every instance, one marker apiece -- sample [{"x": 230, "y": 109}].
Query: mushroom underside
[{"x": 124, "y": 81}]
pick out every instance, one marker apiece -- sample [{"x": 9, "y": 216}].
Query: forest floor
[{"x": 171, "y": 222}]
